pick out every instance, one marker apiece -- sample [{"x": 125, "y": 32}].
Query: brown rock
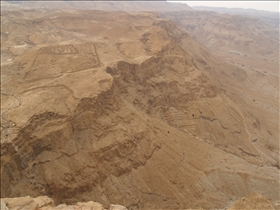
[
  {"x": 45, "y": 203},
  {"x": 254, "y": 201},
  {"x": 28, "y": 202},
  {"x": 3, "y": 205},
  {"x": 117, "y": 207},
  {"x": 79, "y": 206}
]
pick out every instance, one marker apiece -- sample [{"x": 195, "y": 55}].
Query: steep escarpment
[
  {"x": 173, "y": 89},
  {"x": 53, "y": 152},
  {"x": 137, "y": 114},
  {"x": 111, "y": 143}
]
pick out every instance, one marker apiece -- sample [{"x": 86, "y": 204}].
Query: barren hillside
[
  {"x": 229, "y": 33},
  {"x": 268, "y": 17},
  {"x": 127, "y": 108}
]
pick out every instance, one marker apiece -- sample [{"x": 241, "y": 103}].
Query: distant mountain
[
  {"x": 271, "y": 18},
  {"x": 224, "y": 32},
  {"x": 131, "y": 5}
]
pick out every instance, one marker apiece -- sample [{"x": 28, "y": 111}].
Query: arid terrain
[
  {"x": 268, "y": 17},
  {"x": 145, "y": 109}
]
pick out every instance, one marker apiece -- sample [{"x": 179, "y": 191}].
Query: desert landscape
[{"x": 136, "y": 105}]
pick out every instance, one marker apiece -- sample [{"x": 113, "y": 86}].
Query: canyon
[{"x": 168, "y": 110}]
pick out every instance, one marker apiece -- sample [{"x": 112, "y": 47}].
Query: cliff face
[{"x": 129, "y": 112}]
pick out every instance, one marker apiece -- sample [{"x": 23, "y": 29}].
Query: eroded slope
[{"x": 128, "y": 112}]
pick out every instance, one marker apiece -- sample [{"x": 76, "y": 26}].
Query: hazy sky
[{"x": 259, "y": 5}]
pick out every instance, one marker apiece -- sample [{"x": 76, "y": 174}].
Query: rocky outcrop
[
  {"x": 46, "y": 203},
  {"x": 26, "y": 203},
  {"x": 254, "y": 201}
]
